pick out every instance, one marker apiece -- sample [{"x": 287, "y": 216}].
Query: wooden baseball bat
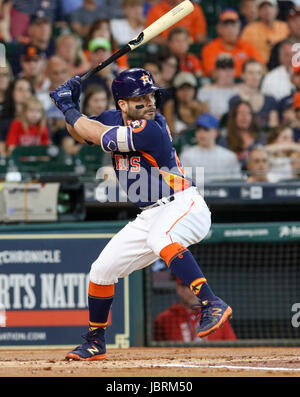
[{"x": 164, "y": 22}]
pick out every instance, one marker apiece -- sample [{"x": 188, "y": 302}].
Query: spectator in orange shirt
[
  {"x": 179, "y": 321},
  {"x": 267, "y": 30},
  {"x": 228, "y": 41},
  {"x": 179, "y": 42},
  {"x": 195, "y": 22}
]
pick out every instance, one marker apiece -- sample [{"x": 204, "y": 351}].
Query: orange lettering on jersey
[
  {"x": 135, "y": 164},
  {"x": 121, "y": 163},
  {"x": 137, "y": 125},
  {"x": 124, "y": 164}
]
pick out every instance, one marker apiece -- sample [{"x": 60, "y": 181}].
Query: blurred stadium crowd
[{"x": 230, "y": 73}]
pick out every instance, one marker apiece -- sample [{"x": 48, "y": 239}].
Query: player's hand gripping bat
[{"x": 161, "y": 24}]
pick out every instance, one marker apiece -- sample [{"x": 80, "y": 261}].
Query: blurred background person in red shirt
[{"x": 179, "y": 321}]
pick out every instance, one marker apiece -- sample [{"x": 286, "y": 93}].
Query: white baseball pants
[{"x": 185, "y": 220}]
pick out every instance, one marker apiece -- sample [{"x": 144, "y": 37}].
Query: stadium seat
[
  {"x": 3, "y": 169},
  {"x": 55, "y": 168},
  {"x": 30, "y": 158},
  {"x": 90, "y": 157}
]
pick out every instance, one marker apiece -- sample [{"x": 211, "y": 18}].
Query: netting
[{"x": 259, "y": 280}]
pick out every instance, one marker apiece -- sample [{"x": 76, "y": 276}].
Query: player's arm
[
  {"x": 74, "y": 134},
  {"x": 87, "y": 130},
  {"x": 81, "y": 128}
]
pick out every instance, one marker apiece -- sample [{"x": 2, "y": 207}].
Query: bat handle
[{"x": 108, "y": 61}]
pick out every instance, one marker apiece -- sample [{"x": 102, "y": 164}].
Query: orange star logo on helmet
[{"x": 146, "y": 79}]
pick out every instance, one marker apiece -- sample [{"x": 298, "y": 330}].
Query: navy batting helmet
[{"x": 132, "y": 83}]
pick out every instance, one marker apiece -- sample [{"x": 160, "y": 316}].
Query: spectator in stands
[
  {"x": 242, "y": 132},
  {"x": 195, "y": 22},
  {"x": 100, "y": 49},
  {"x": 5, "y": 21},
  {"x": 101, "y": 28},
  {"x": 170, "y": 67},
  {"x": 125, "y": 29},
  {"x": 228, "y": 41},
  {"x": 68, "y": 47},
  {"x": 265, "y": 107},
  {"x": 295, "y": 164},
  {"x": 296, "y": 124},
  {"x": 95, "y": 101},
  {"x": 5, "y": 79},
  {"x": 258, "y": 165},
  {"x": 288, "y": 113},
  {"x": 180, "y": 320},
  {"x": 40, "y": 35},
  {"x": 83, "y": 17},
  {"x": 30, "y": 128},
  {"x": 248, "y": 12},
  {"x": 277, "y": 82},
  {"x": 52, "y": 10},
  {"x": 179, "y": 42},
  {"x": 153, "y": 65},
  {"x": 280, "y": 146},
  {"x": 19, "y": 16},
  {"x": 286, "y": 103},
  {"x": 293, "y": 22},
  {"x": 218, "y": 94},
  {"x": 217, "y": 161},
  {"x": 115, "y": 8},
  {"x": 19, "y": 90},
  {"x": 182, "y": 111},
  {"x": 267, "y": 30},
  {"x": 33, "y": 63},
  {"x": 56, "y": 74}
]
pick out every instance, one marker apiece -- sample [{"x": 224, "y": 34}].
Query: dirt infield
[{"x": 156, "y": 362}]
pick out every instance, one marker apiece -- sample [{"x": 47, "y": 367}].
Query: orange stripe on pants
[{"x": 182, "y": 216}]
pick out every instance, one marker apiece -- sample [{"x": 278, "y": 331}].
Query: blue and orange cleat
[
  {"x": 213, "y": 316},
  {"x": 93, "y": 349}
]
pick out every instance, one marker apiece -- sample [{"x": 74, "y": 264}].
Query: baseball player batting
[{"x": 173, "y": 213}]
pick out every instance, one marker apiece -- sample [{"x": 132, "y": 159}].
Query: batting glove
[
  {"x": 62, "y": 97},
  {"x": 74, "y": 85}
]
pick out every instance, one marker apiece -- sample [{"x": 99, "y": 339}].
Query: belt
[{"x": 162, "y": 201}]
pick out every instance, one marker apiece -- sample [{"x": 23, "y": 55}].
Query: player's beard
[{"x": 141, "y": 114}]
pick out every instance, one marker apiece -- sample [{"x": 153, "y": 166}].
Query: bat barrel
[{"x": 163, "y": 23}]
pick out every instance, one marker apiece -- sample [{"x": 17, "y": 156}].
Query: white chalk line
[{"x": 227, "y": 367}]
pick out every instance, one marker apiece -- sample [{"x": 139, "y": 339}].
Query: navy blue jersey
[{"x": 145, "y": 162}]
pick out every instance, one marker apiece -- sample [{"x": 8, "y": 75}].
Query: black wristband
[{"x": 72, "y": 115}]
